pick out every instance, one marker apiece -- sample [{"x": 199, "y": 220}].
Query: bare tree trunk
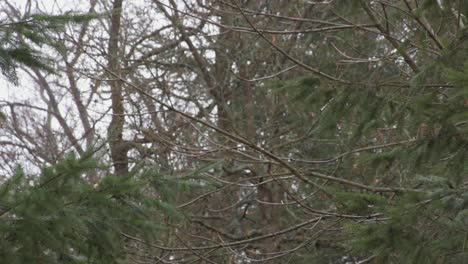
[{"x": 118, "y": 146}]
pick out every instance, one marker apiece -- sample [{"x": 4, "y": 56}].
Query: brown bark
[{"x": 118, "y": 146}]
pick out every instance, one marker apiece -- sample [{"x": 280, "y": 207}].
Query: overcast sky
[{"x": 24, "y": 91}]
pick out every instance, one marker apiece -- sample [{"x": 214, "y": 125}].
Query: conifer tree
[
  {"x": 22, "y": 39},
  {"x": 58, "y": 217},
  {"x": 404, "y": 137},
  {"x": 314, "y": 131}
]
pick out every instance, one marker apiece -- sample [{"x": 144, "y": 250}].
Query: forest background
[{"x": 234, "y": 131}]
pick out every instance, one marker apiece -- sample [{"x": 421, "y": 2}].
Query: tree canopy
[{"x": 235, "y": 132}]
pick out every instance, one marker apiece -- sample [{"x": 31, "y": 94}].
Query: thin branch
[
  {"x": 296, "y": 61},
  {"x": 392, "y": 41}
]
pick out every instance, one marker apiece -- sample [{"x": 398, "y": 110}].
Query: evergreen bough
[
  {"x": 59, "y": 217},
  {"x": 21, "y": 40}
]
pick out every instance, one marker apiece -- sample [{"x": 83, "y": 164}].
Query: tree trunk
[{"x": 118, "y": 146}]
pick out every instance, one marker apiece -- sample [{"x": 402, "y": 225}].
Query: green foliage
[
  {"x": 398, "y": 123},
  {"x": 305, "y": 91},
  {"x": 54, "y": 21},
  {"x": 358, "y": 203},
  {"x": 428, "y": 222},
  {"x": 401, "y": 239},
  {"x": 20, "y": 41},
  {"x": 59, "y": 217}
]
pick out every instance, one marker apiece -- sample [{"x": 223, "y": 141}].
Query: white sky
[{"x": 23, "y": 91}]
